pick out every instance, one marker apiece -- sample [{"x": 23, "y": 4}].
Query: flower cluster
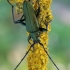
[{"x": 37, "y": 58}]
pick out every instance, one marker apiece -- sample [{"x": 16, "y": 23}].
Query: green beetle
[
  {"x": 31, "y": 22},
  {"x": 32, "y": 26}
]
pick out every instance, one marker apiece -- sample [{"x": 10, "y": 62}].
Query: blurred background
[{"x": 13, "y": 37}]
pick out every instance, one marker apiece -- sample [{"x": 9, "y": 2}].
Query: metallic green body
[{"x": 30, "y": 17}]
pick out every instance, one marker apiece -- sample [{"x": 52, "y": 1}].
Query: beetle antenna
[
  {"x": 49, "y": 57},
  {"x": 24, "y": 56}
]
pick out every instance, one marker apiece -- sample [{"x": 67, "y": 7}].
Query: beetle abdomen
[{"x": 30, "y": 17}]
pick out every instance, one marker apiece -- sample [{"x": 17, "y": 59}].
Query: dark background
[{"x": 13, "y": 37}]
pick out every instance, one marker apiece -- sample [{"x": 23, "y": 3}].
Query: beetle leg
[
  {"x": 29, "y": 39},
  {"x": 42, "y": 29},
  {"x": 47, "y": 23},
  {"x": 38, "y": 11},
  {"x": 33, "y": 46},
  {"x": 18, "y": 21},
  {"x": 21, "y": 21}
]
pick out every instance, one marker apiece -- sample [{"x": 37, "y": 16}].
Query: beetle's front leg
[{"x": 29, "y": 37}]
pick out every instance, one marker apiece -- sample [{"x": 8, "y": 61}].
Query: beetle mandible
[{"x": 32, "y": 26}]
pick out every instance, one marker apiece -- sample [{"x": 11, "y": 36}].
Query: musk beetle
[{"x": 32, "y": 26}]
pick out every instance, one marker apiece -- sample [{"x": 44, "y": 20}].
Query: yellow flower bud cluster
[
  {"x": 37, "y": 58},
  {"x": 18, "y": 4}
]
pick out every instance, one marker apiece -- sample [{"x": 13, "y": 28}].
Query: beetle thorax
[{"x": 35, "y": 37}]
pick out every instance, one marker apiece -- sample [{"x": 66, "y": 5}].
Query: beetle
[{"x": 32, "y": 26}]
